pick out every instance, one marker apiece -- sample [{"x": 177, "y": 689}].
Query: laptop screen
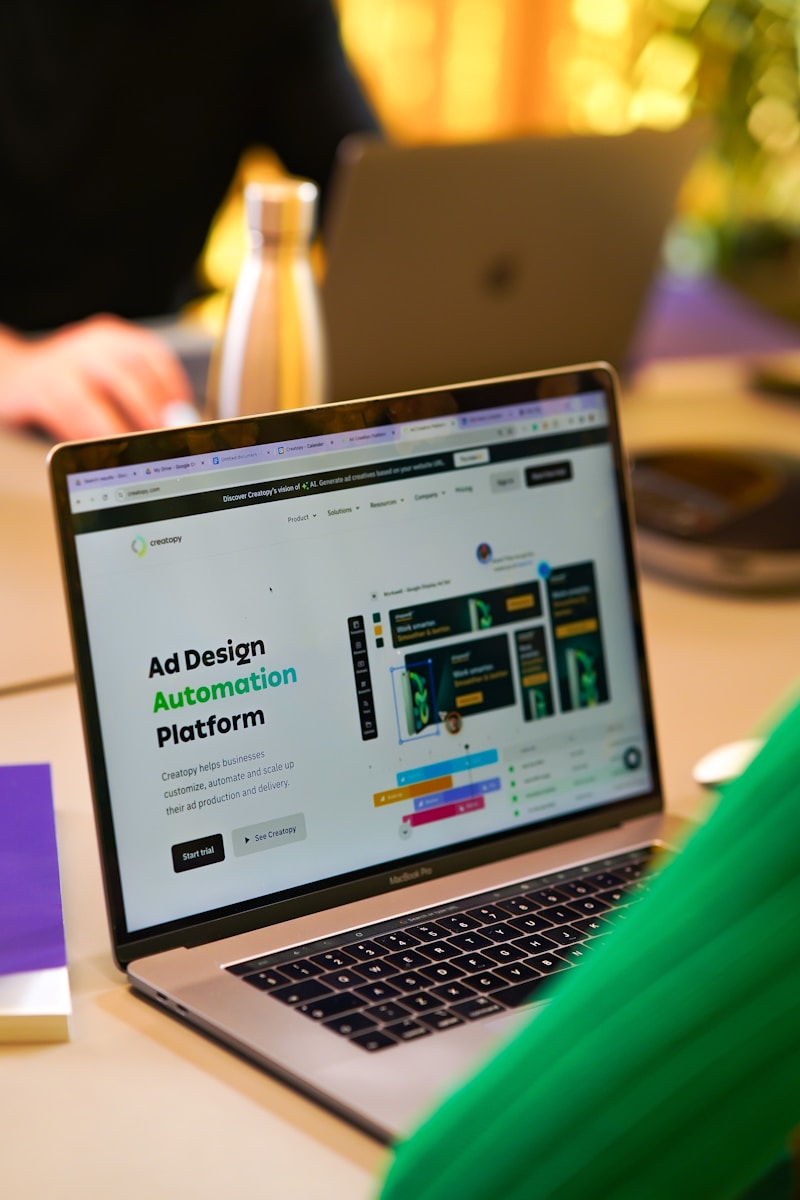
[{"x": 345, "y": 642}]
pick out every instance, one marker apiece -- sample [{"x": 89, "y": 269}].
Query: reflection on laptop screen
[{"x": 354, "y": 648}]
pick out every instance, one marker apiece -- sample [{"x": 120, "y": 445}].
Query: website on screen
[{"x": 362, "y": 657}]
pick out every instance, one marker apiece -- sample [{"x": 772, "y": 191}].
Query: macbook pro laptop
[
  {"x": 465, "y": 261},
  {"x": 368, "y": 720}
]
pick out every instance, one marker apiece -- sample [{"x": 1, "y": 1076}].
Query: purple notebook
[{"x": 31, "y": 920}]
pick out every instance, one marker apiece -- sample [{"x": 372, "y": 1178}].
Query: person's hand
[{"x": 100, "y": 376}]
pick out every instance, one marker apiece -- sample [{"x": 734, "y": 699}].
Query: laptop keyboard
[{"x": 398, "y": 981}]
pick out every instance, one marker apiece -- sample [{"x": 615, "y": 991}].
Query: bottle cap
[{"x": 283, "y": 208}]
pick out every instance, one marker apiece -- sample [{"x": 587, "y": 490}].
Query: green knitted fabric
[{"x": 669, "y": 1063}]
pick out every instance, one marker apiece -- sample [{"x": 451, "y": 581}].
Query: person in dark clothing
[{"x": 122, "y": 129}]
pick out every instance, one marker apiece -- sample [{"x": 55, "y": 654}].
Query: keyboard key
[
  {"x": 589, "y": 905},
  {"x": 377, "y": 991},
  {"x": 606, "y": 879},
  {"x": 440, "y": 950},
  {"x": 407, "y": 960},
  {"x": 533, "y": 923},
  {"x": 375, "y": 968},
  {"x": 536, "y": 943},
  {"x": 548, "y": 896},
  {"x": 520, "y": 904},
  {"x": 502, "y": 932},
  {"x": 407, "y": 1031},
  {"x": 477, "y": 1007},
  {"x": 566, "y": 935},
  {"x": 518, "y": 972},
  {"x": 474, "y": 962},
  {"x": 559, "y": 914},
  {"x": 578, "y": 887},
  {"x": 364, "y": 950},
  {"x": 331, "y": 1006},
  {"x": 633, "y": 870},
  {"x": 389, "y": 1011},
  {"x": 352, "y": 1023},
  {"x": 301, "y": 968},
  {"x": 421, "y": 1002},
  {"x": 470, "y": 941},
  {"x": 341, "y": 979},
  {"x": 547, "y": 963},
  {"x": 270, "y": 977},
  {"x": 519, "y": 993},
  {"x": 297, "y": 993},
  {"x": 401, "y": 940},
  {"x": 593, "y": 925},
  {"x": 429, "y": 931},
  {"x": 459, "y": 923},
  {"x": 451, "y": 992},
  {"x": 441, "y": 972},
  {"x": 487, "y": 914},
  {"x": 410, "y": 981},
  {"x": 445, "y": 1019},
  {"x": 505, "y": 952},
  {"x": 577, "y": 953},
  {"x": 331, "y": 960},
  {"x": 375, "y": 1040},
  {"x": 485, "y": 981}
]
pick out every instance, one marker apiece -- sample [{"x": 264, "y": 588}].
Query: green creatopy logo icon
[{"x": 138, "y": 545}]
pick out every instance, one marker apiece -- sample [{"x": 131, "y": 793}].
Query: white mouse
[{"x": 726, "y": 762}]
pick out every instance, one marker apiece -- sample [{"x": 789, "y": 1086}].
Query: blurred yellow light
[
  {"x": 473, "y": 67},
  {"x": 414, "y": 25},
  {"x": 586, "y": 71},
  {"x": 782, "y": 8},
  {"x": 659, "y": 109},
  {"x": 606, "y": 107},
  {"x": 783, "y": 190},
  {"x": 408, "y": 83},
  {"x": 603, "y": 18},
  {"x": 477, "y": 24},
  {"x": 779, "y": 79},
  {"x": 774, "y": 125},
  {"x": 366, "y": 27},
  {"x": 690, "y": 7},
  {"x": 705, "y": 193},
  {"x": 668, "y": 62},
  {"x": 469, "y": 107}
]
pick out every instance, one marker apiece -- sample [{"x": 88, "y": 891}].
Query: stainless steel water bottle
[{"x": 272, "y": 352}]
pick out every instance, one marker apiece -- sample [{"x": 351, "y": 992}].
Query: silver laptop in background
[
  {"x": 345, "y": 672},
  {"x": 464, "y": 261}
]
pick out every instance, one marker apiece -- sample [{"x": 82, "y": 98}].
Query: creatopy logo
[{"x": 139, "y": 545}]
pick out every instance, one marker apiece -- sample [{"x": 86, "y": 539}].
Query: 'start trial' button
[{"x": 198, "y": 853}]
